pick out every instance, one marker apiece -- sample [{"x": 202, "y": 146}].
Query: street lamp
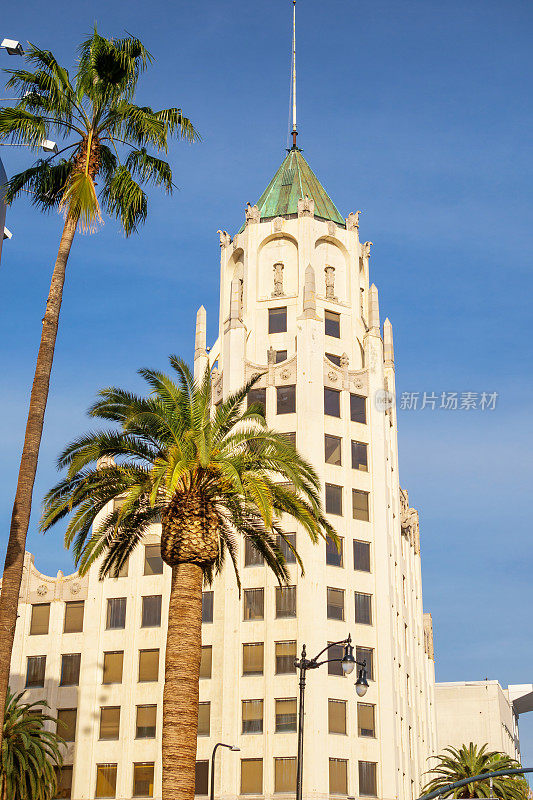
[
  {"x": 348, "y": 663},
  {"x": 231, "y": 747},
  {"x": 47, "y": 145},
  {"x": 13, "y": 47}
]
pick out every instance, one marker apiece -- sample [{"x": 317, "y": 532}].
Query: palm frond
[
  {"x": 19, "y": 126},
  {"x": 124, "y": 199},
  {"x": 45, "y": 182}
]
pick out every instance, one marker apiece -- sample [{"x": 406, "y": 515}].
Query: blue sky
[{"x": 418, "y": 113}]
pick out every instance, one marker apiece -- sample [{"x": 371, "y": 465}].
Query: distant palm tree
[
  {"x": 455, "y": 764},
  {"x": 94, "y": 113},
  {"x": 31, "y": 755},
  {"x": 211, "y": 476}
]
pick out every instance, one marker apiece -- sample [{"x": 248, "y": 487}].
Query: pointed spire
[
  {"x": 388, "y": 344},
  {"x": 235, "y": 300},
  {"x": 200, "y": 339},
  {"x": 373, "y": 308},
  {"x": 309, "y": 294}
]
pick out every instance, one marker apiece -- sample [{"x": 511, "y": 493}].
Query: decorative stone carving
[
  {"x": 366, "y": 249},
  {"x": 278, "y": 224},
  {"x": 332, "y": 228},
  {"x": 278, "y": 280},
  {"x": 352, "y": 221},
  {"x": 42, "y": 590},
  {"x": 285, "y": 374},
  {"x": 306, "y": 207},
  {"x": 333, "y": 376},
  {"x": 409, "y": 521},
  {"x": 225, "y": 238},
  {"x": 330, "y": 282},
  {"x": 75, "y": 587},
  {"x": 251, "y": 213},
  {"x": 271, "y": 356},
  {"x": 345, "y": 361}
]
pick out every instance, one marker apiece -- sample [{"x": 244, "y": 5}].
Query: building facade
[{"x": 296, "y": 306}]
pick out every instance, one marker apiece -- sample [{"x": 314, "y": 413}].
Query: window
[
  {"x": 73, "y": 620},
  {"x": 70, "y": 669},
  {"x": 286, "y": 399},
  {"x": 252, "y": 658},
  {"x": 332, "y": 448},
  {"x": 281, "y": 355},
  {"x": 277, "y": 320},
  {"x": 66, "y": 723},
  {"x": 207, "y": 606},
  {"x": 335, "y": 604},
  {"x": 332, "y": 402},
  {"x": 40, "y": 617},
  {"x": 332, "y": 324},
  {"x": 109, "y": 722},
  {"x": 145, "y": 722},
  {"x": 285, "y": 601},
  {"x": 148, "y": 665},
  {"x": 204, "y": 719},
  {"x": 285, "y": 656},
  {"x": 363, "y": 608},
  {"x": 122, "y": 572},
  {"x": 366, "y": 725},
  {"x": 358, "y": 408},
  {"x": 254, "y": 604},
  {"x": 333, "y": 499},
  {"x": 336, "y": 652},
  {"x": 334, "y": 359},
  {"x": 338, "y": 776},
  {"x": 143, "y": 780},
  {"x": 113, "y": 667},
  {"x": 359, "y": 456},
  {"x": 361, "y": 556},
  {"x": 106, "y": 780},
  {"x": 283, "y": 544},
  {"x": 205, "y": 661},
  {"x": 252, "y": 716},
  {"x": 116, "y": 613},
  {"x": 35, "y": 670},
  {"x": 337, "y": 716},
  {"x": 360, "y": 505},
  {"x": 286, "y": 715},
  {"x": 368, "y": 783},
  {"x": 252, "y": 556},
  {"x": 334, "y": 552},
  {"x": 64, "y": 783},
  {"x": 291, "y": 437},
  {"x": 153, "y": 563},
  {"x": 257, "y": 396},
  {"x": 201, "y": 778},
  {"x": 285, "y": 775},
  {"x": 251, "y": 776},
  {"x": 366, "y": 654},
  {"x": 151, "y": 615}
]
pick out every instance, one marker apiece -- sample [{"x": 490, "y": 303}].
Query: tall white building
[{"x": 296, "y": 306}]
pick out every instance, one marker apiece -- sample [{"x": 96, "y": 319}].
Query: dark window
[
  {"x": 281, "y": 355},
  {"x": 334, "y": 553},
  {"x": 334, "y": 666},
  {"x": 366, "y": 722},
  {"x": 113, "y": 663},
  {"x": 277, "y": 320},
  {"x": 361, "y": 556},
  {"x": 70, "y": 669},
  {"x": 106, "y": 780},
  {"x": 283, "y": 544},
  {"x": 153, "y": 563},
  {"x": 357, "y": 408},
  {"x": 146, "y": 722},
  {"x": 109, "y": 722},
  {"x": 333, "y": 499},
  {"x": 359, "y": 456},
  {"x": 201, "y": 777},
  {"x": 151, "y": 614},
  {"x": 337, "y": 716},
  {"x": 116, "y": 613},
  {"x": 334, "y": 359},
  {"x": 360, "y": 505},
  {"x": 252, "y": 556},
  {"x": 363, "y": 608},
  {"x": 64, "y": 783},
  {"x": 66, "y": 723},
  {"x": 285, "y": 601},
  {"x": 332, "y": 324},
  {"x": 73, "y": 621},
  {"x": 286, "y": 715},
  {"x": 252, "y": 716},
  {"x": 285, "y": 657},
  {"x": 143, "y": 780},
  {"x": 206, "y": 661},
  {"x": 204, "y": 719},
  {"x": 207, "y": 606},
  {"x": 286, "y": 399},
  {"x": 252, "y": 658},
  {"x": 332, "y": 449},
  {"x": 332, "y": 402},
  {"x": 335, "y": 604},
  {"x": 291, "y": 437},
  {"x": 40, "y": 617},
  {"x": 254, "y": 604},
  {"x": 148, "y": 665},
  {"x": 366, "y": 654},
  {"x": 368, "y": 783},
  {"x": 257, "y": 396},
  {"x": 338, "y": 776}
]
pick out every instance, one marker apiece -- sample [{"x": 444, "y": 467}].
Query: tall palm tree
[
  {"x": 211, "y": 476},
  {"x": 105, "y": 143},
  {"x": 31, "y": 755},
  {"x": 455, "y": 764}
]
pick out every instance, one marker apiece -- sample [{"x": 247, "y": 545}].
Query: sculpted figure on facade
[
  {"x": 352, "y": 221},
  {"x": 366, "y": 249},
  {"x": 409, "y": 521},
  {"x": 345, "y": 361},
  {"x": 330, "y": 282},
  {"x": 306, "y": 207},
  {"x": 225, "y": 238},
  {"x": 278, "y": 280},
  {"x": 271, "y": 356},
  {"x": 251, "y": 213}
]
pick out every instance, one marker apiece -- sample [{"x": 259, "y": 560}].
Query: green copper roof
[{"x": 293, "y": 180}]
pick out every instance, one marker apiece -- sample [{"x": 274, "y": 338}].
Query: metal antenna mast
[{"x": 294, "y": 131}]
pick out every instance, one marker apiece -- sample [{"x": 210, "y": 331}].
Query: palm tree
[
  {"x": 211, "y": 477},
  {"x": 95, "y": 115},
  {"x": 31, "y": 755},
  {"x": 455, "y": 764}
]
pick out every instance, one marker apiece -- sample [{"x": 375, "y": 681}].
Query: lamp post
[
  {"x": 348, "y": 663},
  {"x": 213, "y": 754}
]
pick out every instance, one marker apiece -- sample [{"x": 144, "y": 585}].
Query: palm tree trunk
[
  {"x": 20, "y": 518},
  {"x": 182, "y": 673}
]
